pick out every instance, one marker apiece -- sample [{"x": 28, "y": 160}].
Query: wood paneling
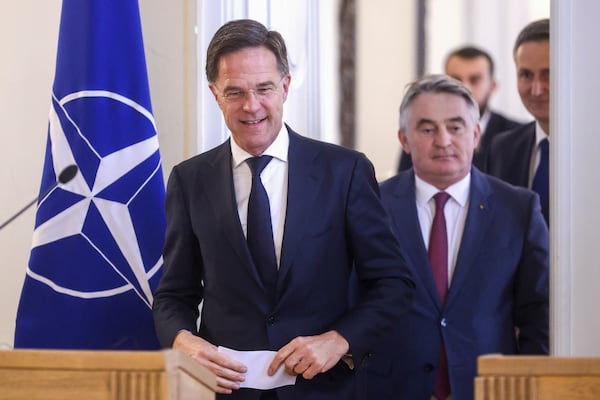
[{"x": 103, "y": 375}]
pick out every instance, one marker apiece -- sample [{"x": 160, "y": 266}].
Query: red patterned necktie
[{"x": 438, "y": 258}]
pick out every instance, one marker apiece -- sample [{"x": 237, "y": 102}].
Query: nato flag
[{"x": 96, "y": 251}]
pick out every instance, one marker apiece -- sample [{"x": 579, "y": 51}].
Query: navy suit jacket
[
  {"x": 500, "y": 282},
  {"x": 335, "y": 221},
  {"x": 508, "y": 157},
  {"x": 497, "y": 123}
]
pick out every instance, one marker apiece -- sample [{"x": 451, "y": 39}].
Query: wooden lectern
[
  {"x": 537, "y": 378},
  {"x": 103, "y": 375}
]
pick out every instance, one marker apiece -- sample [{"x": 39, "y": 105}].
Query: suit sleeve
[
  {"x": 180, "y": 290},
  {"x": 385, "y": 280},
  {"x": 532, "y": 286}
]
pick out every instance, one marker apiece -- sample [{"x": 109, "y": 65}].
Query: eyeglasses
[{"x": 263, "y": 92}]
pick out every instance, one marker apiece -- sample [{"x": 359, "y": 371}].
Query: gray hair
[
  {"x": 240, "y": 34},
  {"x": 436, "y": 84}
]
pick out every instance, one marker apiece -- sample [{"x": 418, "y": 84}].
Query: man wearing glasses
[{"x": 265, "y": 231}]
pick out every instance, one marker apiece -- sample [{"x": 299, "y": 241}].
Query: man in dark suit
[
  {"x": 480, "y": 261},
  {"x": 285, "y": 289},
  {"x": 520, "y": 156},
  {"x": 474, "y": 67}
]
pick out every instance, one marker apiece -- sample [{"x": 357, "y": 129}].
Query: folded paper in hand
[{"x": 258, "y": 363}]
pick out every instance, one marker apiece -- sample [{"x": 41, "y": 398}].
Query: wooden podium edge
[
  {"x": 160, "y": 374},
  {"x": 511, "y": 377},
  {"x": 176, "y": 360},
  {"x": 496, "y": 364}
]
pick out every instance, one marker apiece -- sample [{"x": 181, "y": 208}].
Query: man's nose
[
  {"x": 250, "y": 100},
  {"x": 442, "y": 137},
  {"x": 536, "y": 87}
]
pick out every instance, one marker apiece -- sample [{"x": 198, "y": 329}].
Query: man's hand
[
  {"x": 310, "y": 355},
  {"x": 229, "y": 372}
]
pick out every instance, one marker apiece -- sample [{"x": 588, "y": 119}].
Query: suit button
[
  {"x": 271, "y": 320},
  {"x": 443, "y": 322},
  {"x": 428, "y": 367}
]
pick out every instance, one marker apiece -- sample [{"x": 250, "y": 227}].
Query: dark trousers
[{"x": 269, "y": 395}]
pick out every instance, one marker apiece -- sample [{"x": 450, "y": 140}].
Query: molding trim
[
  {"x": 561, "y": 257},
  {"x": 347, "y": 45}
]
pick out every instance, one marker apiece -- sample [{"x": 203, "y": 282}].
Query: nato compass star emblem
[{"x": 101, "y": 234}]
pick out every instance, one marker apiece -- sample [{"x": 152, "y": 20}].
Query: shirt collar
[
  {"x": 277, "y": 149},
  {"x": 484, "y": 120},
  {"x": 539, "y": 133},
  {"x": 459, "y": 191}
]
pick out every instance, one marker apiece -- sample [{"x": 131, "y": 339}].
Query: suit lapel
[
  {"x": 221, "y": 194},
  {"x": 403, "y": 210},
  {"x": 479, "y": 217},
  {"x": 521, "y": 148},
  {"x": 486, "y": 137},
  {"x": 303, "y": 184}
]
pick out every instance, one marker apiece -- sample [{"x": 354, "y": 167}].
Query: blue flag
[{"x": 96, "y": 255}]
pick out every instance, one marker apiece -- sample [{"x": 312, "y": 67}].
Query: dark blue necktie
[
  {"x": 259, "y": 231},
  {"x": 540, "y": 182}
]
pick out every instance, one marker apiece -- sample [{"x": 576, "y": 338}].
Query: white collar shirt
[
  {"x": 484, "y": 120},
  {"x": 455, "y": 213},
  {"x": 274, "y": 178}
]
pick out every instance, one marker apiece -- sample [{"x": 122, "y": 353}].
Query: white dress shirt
[
  {"x": 484, "y": 119},
  {"x": 274, "y": 178},
  {"x": 455, "y": 212}
]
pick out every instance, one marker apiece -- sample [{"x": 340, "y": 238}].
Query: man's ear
[
  {"x": 403, "y": 140},
  {"x": 494, "y": 85},
  {"x": 213, "y": 89},
  {"x": 286, "y": 85},
  {"x": 477, "y": 133}
]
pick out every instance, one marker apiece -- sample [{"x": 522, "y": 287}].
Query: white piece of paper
[{"x": 258, "y": 362}]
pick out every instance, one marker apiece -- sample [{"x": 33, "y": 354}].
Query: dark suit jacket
[
  {"x": 334, "y": 220},
  {"x": 498, "y": 123},
  {"x": 500, "y": 281},
  {"x": 509, "y": 157}
]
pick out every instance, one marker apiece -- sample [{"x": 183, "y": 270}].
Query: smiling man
[
  {"x": 266, "y": 231},
  {"x": 477, "y": 248},
  {"x": 521, "y": 156}
]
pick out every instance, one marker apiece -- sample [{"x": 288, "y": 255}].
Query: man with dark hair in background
[{"x": 474, "y": 67}]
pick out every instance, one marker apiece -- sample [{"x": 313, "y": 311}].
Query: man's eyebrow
[
  {"x": 424, "y": 121},
  {"x": 259, "y": 85},
  {"x": 266, "y": 83},
  {"x": 460, "y": 120}
]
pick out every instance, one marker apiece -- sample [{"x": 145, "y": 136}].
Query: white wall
[
  {"x": 169, "y": 29},
  {"x": 385, "y": 64},
  {"x": 28, "y": 34}
]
